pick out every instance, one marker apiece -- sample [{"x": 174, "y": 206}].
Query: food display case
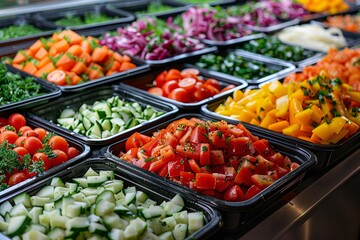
[{"x": 183, "y": 119}]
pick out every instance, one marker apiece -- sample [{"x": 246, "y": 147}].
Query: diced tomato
[
  {"x": 277, "y": 158},
  {"x": 150, "y": 145},
  {"x": 222, "y": 184},
  {"x": 194, "y": 166},
  {"x": 263, "y": 147},
  {"x": 252, "y": 191},
  {"x": 246, "y": 170},
  {"x": 167, "y": 154},
  {"x": 163, "y": 172},
  {"x": 186, "y": 137},
  {"x": 230, "y": 173},
  {"x": 293, "y": 166},
  {"x": 186, "y": 177},
  {"x": 136, "y": 140},
  {"x": 204, "y": 154},
  {"x": 205, "y": 181},
  {"x": 156, "y": 166},
  {"x": 217, "y": 138},
  {"x": 199, "y": 135},
  {"x": 241, "y": 146},
  {"x": 234, "y": 194},
  {"x": 274, "y": 174},
  {"x": 175, "y": 167},
  {"x": 189, "y": 150},
  {"x": 264, "y": 165},
  {"x": 170, "y": 139},
  {"x": 217, "y": 157},
  {"x": 281, "y": 171},
  {"x": 262, "y": 181}
]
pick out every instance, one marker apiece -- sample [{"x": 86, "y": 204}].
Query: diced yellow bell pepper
[
  {"x": 306, "y": 128},
  {"x": 264, "y": 105},
  {"x": 315, "y": 138},
  {"x": 267, "y": 121},
  {"x": 298, "y": 94},
  {"x": 282, "y": 106},
  {"x": 355, "y": 119},
  {"x": 337, "y": 124},
  {"x": 272, "y": 113},
  {"x": 304, "y": 117},
  {"x": 237, "y": 95},
  {"x": 279, "y": 126},
  {"x": 323, "y": 131},
  {"x": 312, "y": 102},
  {"x": 337, "y": 137},
  {"x": 236, "y": 109},
  {"x": 277, "y": 89},
  {"x": 224, "y": 112},
  {"x": 251, "y": 106},
  {"x": 355, "y": 96},
  {"x": 254, "y": 122},
  {"x": 318, "y": 114},
  {"x": 292, "y": 130},
  {"x": 326, "y": 108},
  {"x": 228, "y": 101},
  {"x": 246, "y": 116},
  {"x": 294, "y": 107}
]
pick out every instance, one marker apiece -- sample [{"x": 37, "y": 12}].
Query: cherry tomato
[
  {"x": 20, "y": 141},
  {"x": 231, "y": 86},
  {"x": 180, "y": 94},
  {"x": 213, "y": 83},
  {"x": 9, "y": 136},
  {"x": 32, "y": 144},
  {"x": 3, "y": 122},
  {"x": 58, "y": 77},
  {"x": 58, "y": 142},
  {"x": 156, "y": 91},
  {"x": 42, "y": 157},
  {"x": 17, "y": 178},
  {"x": 160, "y": 79},
  {"x": 59, "y": 159},
  {"x": 24, "y": 129},
  {"x": 213, "y": 90},
  {"x": 72, "y": 152},
  {"x": 190, "y": 72},
  {"x": 234, "y": 194},
  {"x": 188, "y": 84},
  {"x": 169, "y": 86},
  {"x": 21, "y": 151},
  {"x": 30, "y": 133},
  {"x": 17, "y": 121},
  {"x": 201, "y": 94},
  {"x": 173, "y": 74},
  {"x": 41, "y": 133}
]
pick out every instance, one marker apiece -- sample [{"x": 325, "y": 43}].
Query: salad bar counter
[{"x": 185, "y": 119}]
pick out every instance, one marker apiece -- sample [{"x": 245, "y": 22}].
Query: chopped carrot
[
  {"x": 30, "y": 68},
  {"x": 61, "y": 46},
  {"x": 20, "y": 57},
  {"x": 96, "y": 66},
  {"x": 85, "y": 46},
  {"x": 126, "y": 58},
  {"x": 52, "y": 51},
  {"x": 66, "y": 62},
  {"x": 18, "y": 66},
  {"x": 45, "y": 69},
  {"x": 41, "y": 53},
  {"x": 111, "y": 72},
  {"x": 94, "y": 74},
  {"x": 115, "y": 66},
  {"x": 36, "y": 46},
  {"x": 75, "y": 79},
  {"x": 126, "y": 66},
  {"x": 118, "y": 57},
  {"x": 79, "y": 68},
  {"x": 71, "y": 36},
  {"x": 86, "y": 56},
  {"x": 43, "y": 62},
  {"x": 75, "y": 50},
  {"x": 99, "y": 54}
]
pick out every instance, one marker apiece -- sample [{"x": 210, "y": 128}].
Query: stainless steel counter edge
[{"x": 299, "y": 208}]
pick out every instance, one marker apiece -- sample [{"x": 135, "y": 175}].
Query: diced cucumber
[
  {"x": 97, "y": 228},
  {"x": 49, "y": 206},
  {"x": 60, "y": 192},
  {"x": 114, "y": 221},
  {"x": 66, "y": 122},
  {"x": 135, "y": 229},
  {"x": 141, "y": 197},
  {"x": 72, "y": 187},
  {"x": 106, "y": 195},
  {"x": 23, "y": 198},
  {"x": 46, "y": 192},
  {"x": 40, "y": 201},
  {"x": 56, "y": 233},
  {"x": 35, "y": 212},
  {"x": 90, "y": 172},
  {"x": 170, "y": 208},
  {"x": 168, "y": 224},
  {"x": 104, "y": 207},
  {"x": 97, "y": 130},
  {"x": 34, "y": 235},
  {"x": 57, "y": 221},
  {"x": 148, "y": 235},
  {"x": 86, "y": 123},
  {"x": 37, "y": 227},
  {"x": 3, "y": 225},
  {"x": 116, "y": 234},
  {"x": 67, "y": 113},
  {"x": 114, "y": 185},
  {"x": 196, "y": 221},
  {"x": 18, "y": 225},
  {"x": 108, "y": 174},
  {"x": 153, "y": 212},
  {"x": 166, "y": 236},
  {"x": 5, "y": 207},
  {"x": 77, "y": 224},
  {"x": 83, "y": 182},
  {"x": 89, "y": 191},
  {"x": 180, "y": 231},
  {"x": 44, "y": 220},
  {"x": 181, "y": 217},
  {"x": 178, "y": 200},
  {"x": 130, "y": 197},
  {"x": 57, "y": 182},
  {"x": 96, "y": 181}
]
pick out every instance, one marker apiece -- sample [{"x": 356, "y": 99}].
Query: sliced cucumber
[
  {"x": 23, "y": 198},
  {"x": 196, "y": 221},
  {"x": 18, "y": 225},
  {"x": 180, "y": 231}
]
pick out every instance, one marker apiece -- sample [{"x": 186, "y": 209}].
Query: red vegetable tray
[{"x": 232, "y": 212}]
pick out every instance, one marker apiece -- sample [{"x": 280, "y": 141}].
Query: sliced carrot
[
  {"x": 41, "y": 53},
  {"x": 115, "y": 66},
  {"x": 96, "y": 66},
  {"x": 79, "y": 68},
  {"x": 66, "y": 62},
  {"x": 99, "y": 54},
  {"x": 45, "y": 69},
  {"x": 36, "y": 46},
  {"x": 126, "y": 66},
  {"x": 94, "y": 74},
  {"x": 75, "y": 50},
  {"x": 75, "y": 79},
  {"x": 20, "y": 57},
  {"x": 43, "y": 62},
  {"x": 61, "y": 46},
  {"x": 30, "y": 68},
  {"x": 55, "y": 36},
  {"x": 18, "y": 66},
  {"x": 71, "y": 36},
  {"x": 118, "y": 57},
  {"x": 126, "y": 58},
  {"x": 85, "y": 46},
  {"x": 52, "y": 51},
  {"x": 111, "y": 72},
  {"x": 86, "y": 57}
]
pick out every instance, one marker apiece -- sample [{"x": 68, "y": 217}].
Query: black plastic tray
[
  {"x": 316, "y": 56},
  {"x": 83, "y": 149},
  {"x": 276, "y": 27},
  {"x": 141, "y": 84},
  {"x": 326, "y": 153},
  {"x": 215, "y": 3},
  {"x": 48, "y": 18},
  {"x": 48, "y": 114},
  {"x": 134, "y": 6},
  {"x": 232, "y": 212},
  {"x": 282, "y": 67},
  {"x": 158, "y": 194},
  {"x": 141, "y": 68},
  {"x": 232, "y": 42},
  {"x": 347, "y": 34},
  {"x": 50, "y": 91},
  {"x": 19, "y": 20}
]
